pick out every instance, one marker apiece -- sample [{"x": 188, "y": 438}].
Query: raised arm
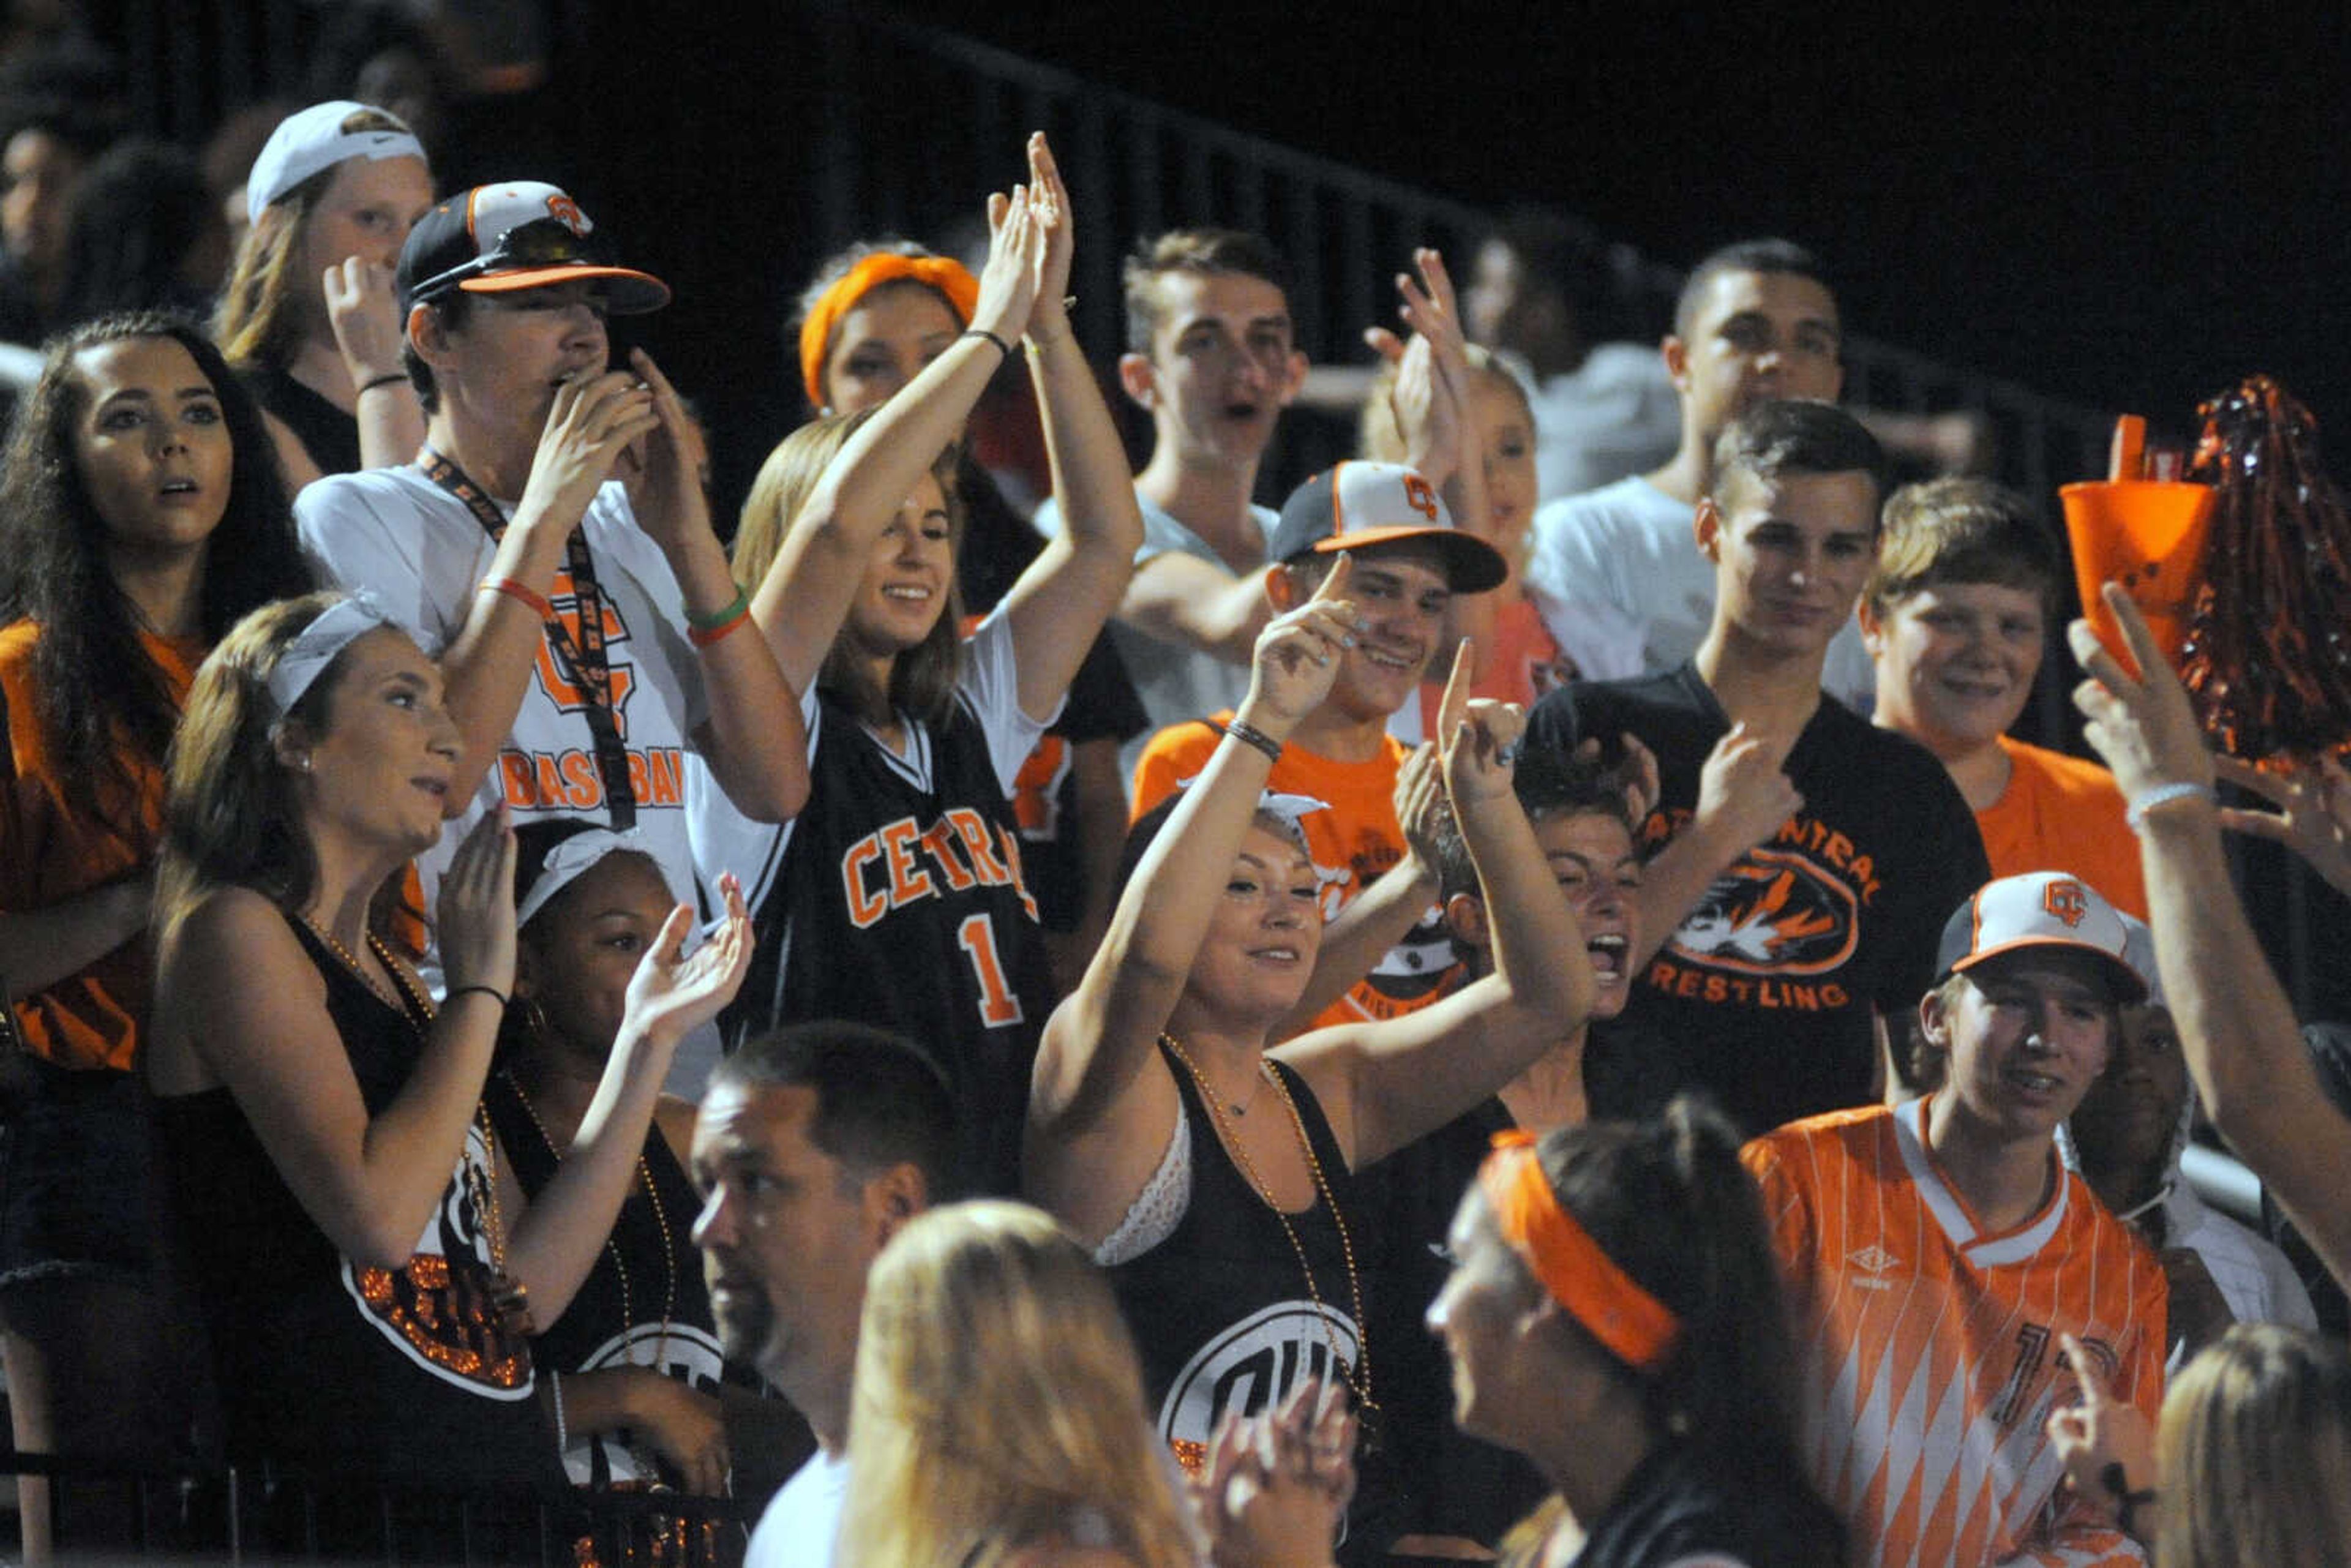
[
  {"x": 487, "y": 664},
  {"x": 806, "y": 595},
  {"x": 363, "y": 311},
  {"x": 1743, "y": 796},
  {"x": 1197, "y": 604},
  {"x": 250, "y": 1003},
  {"x": 752, "y": 738},
  {"x": 1438, "y": 417},
  {"x": 1384, "y": 912},
  {"x": 1060, "y": 603},
  {"x": 1385, "y": 1084},
  {"x": 557, "y": 1239},
  {"x": 2236, "y": 1025},
  {"x": 1099, "y": 1038}
]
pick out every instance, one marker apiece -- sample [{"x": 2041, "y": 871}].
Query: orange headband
[
  {"x": 945, "y": 274},
  {"x": 1636, "y": 1327}
]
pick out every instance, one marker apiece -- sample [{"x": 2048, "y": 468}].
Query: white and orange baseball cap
[
  {"x": 523, "y": 234},
  {"x": 1357, "y": 506},
  {"x": 2040, "y": 909}
]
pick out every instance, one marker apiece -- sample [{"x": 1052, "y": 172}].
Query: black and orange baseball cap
[
  {"x": 1355, "y": 505},
  {"x": 523, "y": 234}
]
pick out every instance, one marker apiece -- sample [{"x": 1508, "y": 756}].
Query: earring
[
  {"x": 305, "y": 763},
  {"x": 535, "y": 1017}
]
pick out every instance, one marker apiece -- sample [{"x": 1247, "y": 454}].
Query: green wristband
[{"x": 711, "y": 619}]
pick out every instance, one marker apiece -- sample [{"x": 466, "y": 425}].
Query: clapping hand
[
  {"x": 1273, "y": 1488},
  {"x": 671, "y": 995},
  {"x": 477, "y": 908}
]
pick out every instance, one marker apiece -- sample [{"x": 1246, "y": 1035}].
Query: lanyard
[{"x": 584, "y": 663}]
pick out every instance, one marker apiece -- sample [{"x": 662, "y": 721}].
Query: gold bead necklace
[
  {"x": 612, "y": 1243},
  {"x": 1358, "y": 1380},
  {"x": 509, "y": 1295}
]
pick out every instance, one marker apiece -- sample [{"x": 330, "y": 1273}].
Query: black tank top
[
  {"x": 1221, "y": 1312},
  {"x": 617, "y": 1318},
  {"x": 327, "y": 1368},
  {"x": 330, "y": 435}
]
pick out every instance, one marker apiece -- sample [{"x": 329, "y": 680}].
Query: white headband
[
  {"x": 567, "y": 862},
  {"x": 1289, "y": 808},
  {"x": 332, "y": 631}
]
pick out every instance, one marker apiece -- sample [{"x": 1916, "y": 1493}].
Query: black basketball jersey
[{"x": 900, "y": 902}]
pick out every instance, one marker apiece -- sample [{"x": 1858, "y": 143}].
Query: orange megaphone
[{"x": 2148, "y": 535}]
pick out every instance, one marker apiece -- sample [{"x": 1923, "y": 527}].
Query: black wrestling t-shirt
[{"x": 1770, "y": 985}]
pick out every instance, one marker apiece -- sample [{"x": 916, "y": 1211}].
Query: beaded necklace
[
  {"x": 508, "y": 1294},
  {"x": 1359, "y": 1381},
  {"x": 612, "y": 1243}
]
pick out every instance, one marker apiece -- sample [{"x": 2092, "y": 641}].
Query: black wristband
[
  {"x": 1002, "y": 347},
  {"x": 1251, "y": 736},
  {"x": 2128, "y": 1502},
  {"x": 382, "y": 380},
  {"x": 490, "y": 991}
]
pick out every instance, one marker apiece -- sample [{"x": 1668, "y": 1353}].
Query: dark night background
[{"x": 2126, "y": 207}]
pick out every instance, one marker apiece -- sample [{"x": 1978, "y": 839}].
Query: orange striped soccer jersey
[{"x": 1927, "y": 1350}]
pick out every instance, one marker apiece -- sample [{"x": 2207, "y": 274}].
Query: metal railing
[
  {"x": 240, "y": 1516},
  {"x": 742, "y": 157}
]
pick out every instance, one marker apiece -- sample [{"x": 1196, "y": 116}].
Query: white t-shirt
[
  {"x": 802, "y": 1521},
  {"x": 1627, "y": 551},
  {"x": 2254, "y": 1277},
  {"x": 397, "y": 534},
  {"x": 1614, "y": 415},
  {"x": 1175, "y": 681}
]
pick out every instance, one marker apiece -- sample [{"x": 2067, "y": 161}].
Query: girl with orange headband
[
  {"x": 1614, "y": 1314},
  {"x": 897, "y": 896},
  {"x": 876, "y": 315}
]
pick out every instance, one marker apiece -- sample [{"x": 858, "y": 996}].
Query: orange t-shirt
[
  {"x": 54, "y": 846},
  {"x": 2062, "y": 813},
  {"x": 1352, "y": 843},
  {"x": 1525, "y": 665},
  {"x": 1927, "y": 1349}
]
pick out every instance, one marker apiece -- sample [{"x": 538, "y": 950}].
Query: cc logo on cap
[
  {"x": 2065, "y": 900},
  {"x": 1423, "y": 499}
]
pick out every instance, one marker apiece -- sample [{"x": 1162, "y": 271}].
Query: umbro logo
[{"x": 1873, "y": 1261}]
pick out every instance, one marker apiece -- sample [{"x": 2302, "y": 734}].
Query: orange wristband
[
  {"x": 703, "y": 636},
  {"x": 519, "y": 593}
]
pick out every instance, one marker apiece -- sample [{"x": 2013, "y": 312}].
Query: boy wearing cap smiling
[
  {"x": 1409, "y": 562},
  {"x": 1939, "y": 1257},
  {"x": 552, "y": 542}
]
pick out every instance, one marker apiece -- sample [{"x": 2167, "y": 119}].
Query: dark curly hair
[{"x": 100, "y": 691}]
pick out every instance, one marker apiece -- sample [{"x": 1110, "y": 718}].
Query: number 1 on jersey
[{"x": 997, "y": 1004}]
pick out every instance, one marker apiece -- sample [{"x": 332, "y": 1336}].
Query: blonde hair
[
  {"x": 922, "y": 678},
  {"x": 259, "y": 319},
  {"x": 1376, "y": 436},
  {"x": 2254, "y": 1450},
  {"x": 998, "y": 1395}
]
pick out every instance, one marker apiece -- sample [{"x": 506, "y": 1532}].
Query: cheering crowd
[{"x": 1007, "y": 1009}]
